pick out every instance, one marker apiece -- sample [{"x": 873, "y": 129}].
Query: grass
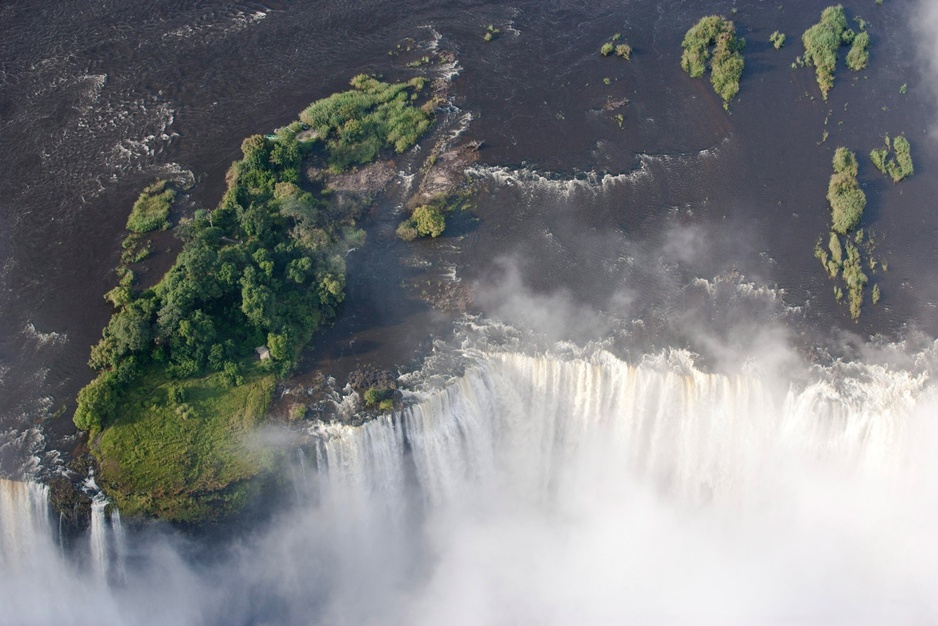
[
  {"x": 151, "y": 210},
  {"x": 725, "y": 61},
  {"x": 184, "y": 460}
]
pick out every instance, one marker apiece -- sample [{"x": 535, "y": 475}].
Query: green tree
[
  {"x": 96, "y": 401},
  {"x": 429, "y": 221}
]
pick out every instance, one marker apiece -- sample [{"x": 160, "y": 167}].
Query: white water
[
  {"x": 557, "y": 490},
  {"x": 594, "y": 491},
  {"x": 25, "y": 526},
  {"x": 97, "y": 539}
]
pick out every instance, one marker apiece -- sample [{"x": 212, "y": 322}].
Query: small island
[
  {"x": 823, "y": 41},
  {"x": 897, "y": 166},
  {"x": 843, "y": 256},
  {"x": 725, "y": 60},
  {"x": 187, "y": 367}
]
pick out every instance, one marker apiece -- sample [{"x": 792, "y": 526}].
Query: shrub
[
  {"x": 726, "y": 61},
  {"x": 822, "y": 42},
  {"x": 407, "y": 230},
  {"x": 846, "y": 198},
  {"x": 778, "y": 39},
  {"x": 151, "y": 210},
  {"x": 95, "y": 401},
  {"x": 845, "y": 161},
  {"x": 858, "y": 57},
  {"x": 429, "y": 221},
  {"x": 898, "y": 167},
  {"x": 624, "y": 50},
  {"x": 297, "y": 411},
  {"x": 356, "y": 124},
  {"x": 607, "y": 49},
  {"x": 903, "y": 150}
]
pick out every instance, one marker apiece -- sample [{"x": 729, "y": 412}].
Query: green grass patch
[
  {"x": 151, "y": 210},
  {"x": 178, "y": 449},
  {"x": 712, "y": 42}
]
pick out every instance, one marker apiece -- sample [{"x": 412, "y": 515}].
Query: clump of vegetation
[
  {"x": 151, "y": 210},
  {"x": 407, "y": 230},
  {"x": 855, "y": 278},
  {"x": 823, "y": 41},
  {"x": 859, "y": 56},
  {"x": 846, "y": 198},
  {"x": 622, "y": 50},
  {"x": 491, "y": 32},
  {"x": 843, "y": 257},
  {"x": 899, "y": 165},
  {"x": 778, "y": 39},
  {"x": 380, "y": 398},
  {"x": 179, "y": 382},
  {"x": 429, "y": 221},
  {"x": 725, "y": 61},
  {"x": 357, "y": 124}
]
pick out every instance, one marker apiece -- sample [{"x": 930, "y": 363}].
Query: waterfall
[
  {"x": 25, "y": 525},
  {"x": 533, "y": 422},
  {"x": 97, "y": 539},
  {"x": 551, "y": 489}
]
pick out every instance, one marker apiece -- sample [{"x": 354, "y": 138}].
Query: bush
[
  {"x": 822, "y": 42},
  {"x": 97, "y": 400},
  {"x": 356, "y": 124},
  {"x": 846, "y": 198},
  {"x": 898, "y": 167},
  {"x": 858, "y": 57},
  {"x": 778, "y": 39},
  {"x": 624, "y": 50},
  {"x": 845, "y": 161},
  {"x": 151, "y": 210},
  {"x": 407, "y": 230},
  {"x": 607, "y": 49},
  {"x": 726, "y": 61},
  {"x": 903, "y": 151},
  {"x": 429, "y": 221}
]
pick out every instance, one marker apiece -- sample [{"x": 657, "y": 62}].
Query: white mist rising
[{"x": 557, "y": 490}]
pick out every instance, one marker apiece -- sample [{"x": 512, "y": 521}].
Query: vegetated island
[
  {"x": 898, "y": 166},
  {"x": 823, "y": 41},
  {"x": 843, "y": 256},
  {"x": 187, "y": 367},
  {"x": 725, "y": 61}
]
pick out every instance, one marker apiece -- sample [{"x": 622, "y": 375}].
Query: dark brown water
[{"x": 97, "y": 99}]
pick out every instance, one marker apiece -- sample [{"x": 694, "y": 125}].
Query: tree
[
  {"x": 429, "y": 221},
  {"x": 96, "y": 400}
]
